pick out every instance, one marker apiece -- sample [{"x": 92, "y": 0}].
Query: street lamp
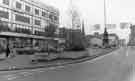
[
  {"x": 105, "y": 18},
  {"x": 105, "y": 36}
]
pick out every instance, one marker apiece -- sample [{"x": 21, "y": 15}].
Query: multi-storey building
[
  {"x": 23, "y": 22},
  {"x": 27, "y": 16}
]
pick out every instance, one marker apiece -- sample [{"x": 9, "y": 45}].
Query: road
[{"x": 116, "y": 66}]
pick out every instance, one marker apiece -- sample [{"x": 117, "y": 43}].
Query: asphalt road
[{"x": 116, "y": 66}]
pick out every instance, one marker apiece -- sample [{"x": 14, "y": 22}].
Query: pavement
[{"x": 21, "y": 62}]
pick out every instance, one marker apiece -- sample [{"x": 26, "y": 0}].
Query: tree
[
  {"x": 50, "y": 30},
  {"x": 76, "y": 40}
]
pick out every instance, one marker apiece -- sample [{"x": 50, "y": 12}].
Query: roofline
[{"x": 42, "y": 5}]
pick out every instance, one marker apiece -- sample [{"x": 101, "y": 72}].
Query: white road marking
[
  {"x": 11, "y": 78},
  {"x": 127, "y": 53},
  {"x": 132, "y": 76},
  {"x": 26, "y": 73}
]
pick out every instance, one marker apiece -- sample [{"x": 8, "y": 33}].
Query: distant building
[
  {"x": 94, "y": 40},
  {"x": 124, "y": 25},
  {"x": 110, "y": 26},
  {"x": 97, "y": 39},
  {"x": 122, "y": 42},
  {"x": 113, "y": 39}
]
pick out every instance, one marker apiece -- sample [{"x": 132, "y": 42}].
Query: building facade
[
  {"x": 27, "y": 16},
  {"x": 23, "y": 22}
]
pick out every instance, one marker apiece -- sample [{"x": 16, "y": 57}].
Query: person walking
[{"x": 7, "y": 50}]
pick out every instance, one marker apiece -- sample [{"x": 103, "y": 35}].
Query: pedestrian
[{"x": 7, "y": 51}]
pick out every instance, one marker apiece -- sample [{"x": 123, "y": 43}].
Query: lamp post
[
  {"x": 105, "y": 18},
  {"x": 105, "y": 36}
]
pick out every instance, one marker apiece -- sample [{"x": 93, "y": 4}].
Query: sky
[{"x": 92, "y": 12}]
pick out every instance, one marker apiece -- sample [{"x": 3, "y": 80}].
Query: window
[
  {"x": 6, "y": 2},
  {"x": 36, "y": 11},
  {"x": 22, "y": 18},
  {"x": 18, "y": 5},
  {"x": 51, "y": 17},
  {"x": 55, "y": 18},
  {"x": 37, "y": 22},
  {"x": 4, "y": 14},
  {"x": 27, "y": 8},
  {"x": 43, "y": 14}
]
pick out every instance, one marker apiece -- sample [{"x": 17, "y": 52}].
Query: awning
[{"x": 20, "y": 35}]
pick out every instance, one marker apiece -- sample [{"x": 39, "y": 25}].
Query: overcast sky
[{"x": 92, "y": 13}]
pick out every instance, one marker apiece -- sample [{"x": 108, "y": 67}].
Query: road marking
[
  {"x": 127, "y": 53},
  {"x": 132, "y": 76},
  {"x": 11, "y": 78}
]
